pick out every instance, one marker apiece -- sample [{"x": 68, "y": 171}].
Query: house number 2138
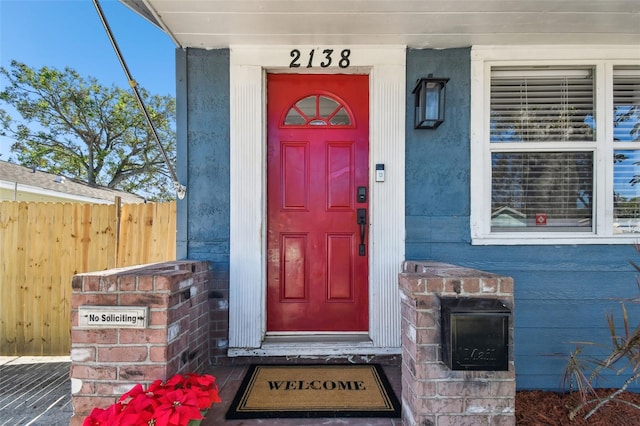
[{"x": 326, "y": 58}]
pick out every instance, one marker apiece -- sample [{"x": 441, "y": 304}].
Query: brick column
[
  {"x": 107, "y": 362},
  {"x": 433, "y": 394}
]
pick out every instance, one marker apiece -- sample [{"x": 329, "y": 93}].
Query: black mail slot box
[{"x": 475, "y": 334}]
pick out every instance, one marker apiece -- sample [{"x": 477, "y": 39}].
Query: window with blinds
[
  {"x": 534, "y": 111},
  {"x": 626, "y": 134},
  {"x": 555, "y": 146}
]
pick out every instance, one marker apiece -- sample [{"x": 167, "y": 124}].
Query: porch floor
[
  {"x": 229, "y": 378},
  {"x": 36, "y": 391}
]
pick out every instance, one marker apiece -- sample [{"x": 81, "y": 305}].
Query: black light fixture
[{"x": 430, "y": 97}]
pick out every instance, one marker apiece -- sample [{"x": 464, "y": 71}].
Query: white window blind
[
  {"x": 542, "y": 191},
  {"x": 541, "y": 104},
  {"x": 626, "y": 104},
  {"x": 626, "y": 169}
]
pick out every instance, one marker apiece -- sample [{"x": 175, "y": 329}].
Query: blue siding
[{"x": 561, "y": 292}]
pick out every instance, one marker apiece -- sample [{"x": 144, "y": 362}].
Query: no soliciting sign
[{"x": 113, "y": 316}]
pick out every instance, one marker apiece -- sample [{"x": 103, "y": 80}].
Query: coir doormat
[{"x": 270, "y": 391}]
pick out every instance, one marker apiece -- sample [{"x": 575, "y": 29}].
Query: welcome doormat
[{"x": 270, "y": 391}]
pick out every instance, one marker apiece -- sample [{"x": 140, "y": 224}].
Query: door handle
[{"x": 362, "y": 221}]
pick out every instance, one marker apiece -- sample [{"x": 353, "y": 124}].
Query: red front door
[{"x": 317, "y": 193}]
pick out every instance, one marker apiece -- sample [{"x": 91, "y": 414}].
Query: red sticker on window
[{"x": 541, "y": 219}]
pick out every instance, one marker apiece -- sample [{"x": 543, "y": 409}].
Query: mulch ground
[{"x": 542, "y": 408}]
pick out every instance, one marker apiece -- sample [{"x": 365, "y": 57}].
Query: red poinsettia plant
[{"x": 175, "y": 402}]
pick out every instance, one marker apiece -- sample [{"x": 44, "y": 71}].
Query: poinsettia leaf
[
  {"x": 94, "y": 418},
  {"x": 203, "y": 381},
  {"x": 143, "y": 402},
  {"x": 135, "y": 391},
  {"x": 201, "y": 397},
  {"x": 155, "y": 385},
  {"x": 175, "y": 382},
  {"x": 127, "y": 419}
]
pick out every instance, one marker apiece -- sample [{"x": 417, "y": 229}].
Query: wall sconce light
[{"x": 430, "y": 97}]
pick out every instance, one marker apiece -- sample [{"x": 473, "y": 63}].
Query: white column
[
  {"x": 246, "y": 274},
  {"x": 387, "y": 142}
]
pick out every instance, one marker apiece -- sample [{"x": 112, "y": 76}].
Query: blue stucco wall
[
  {"x": 561, "y": 292},
  {"x": 203, "y": 154}
]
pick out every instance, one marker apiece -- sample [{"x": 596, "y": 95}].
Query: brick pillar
[
  {"x": 433, "y": 394},
  {"x": 107, "y": 362},
  {"x": 219, "y": 313}
]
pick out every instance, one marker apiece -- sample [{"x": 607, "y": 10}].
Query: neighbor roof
[{"x": 25, "y": 179}]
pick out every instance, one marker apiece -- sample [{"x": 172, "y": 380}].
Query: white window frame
[{"x": 603, "y": 59}]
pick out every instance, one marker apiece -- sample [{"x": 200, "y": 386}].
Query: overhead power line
[{"x": 180, "y": 189}]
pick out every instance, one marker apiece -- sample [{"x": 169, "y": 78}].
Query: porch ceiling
[{"x": 415, "y": 23}]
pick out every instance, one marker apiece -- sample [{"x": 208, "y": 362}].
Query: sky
[{"x": 61, "y": 33}]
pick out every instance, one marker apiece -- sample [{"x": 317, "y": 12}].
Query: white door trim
[{"x": 247, "y": 276}]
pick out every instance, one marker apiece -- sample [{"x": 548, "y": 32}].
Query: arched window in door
[{"x": 318, "y": 110}]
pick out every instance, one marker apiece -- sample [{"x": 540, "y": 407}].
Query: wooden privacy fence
[{"x": 42, "y": 245}]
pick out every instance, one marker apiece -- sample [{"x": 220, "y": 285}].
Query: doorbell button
[{"x": 379, "y": 172}]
